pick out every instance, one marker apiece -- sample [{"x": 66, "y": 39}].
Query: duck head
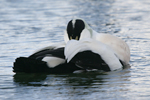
[{"x": 77, "y": 29}]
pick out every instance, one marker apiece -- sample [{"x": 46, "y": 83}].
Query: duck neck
[{"x": 94, "y": 34}]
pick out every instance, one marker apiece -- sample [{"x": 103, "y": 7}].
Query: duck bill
[
  {"x": 70, "y": 37},
  {"x": 76, "y": 38}
]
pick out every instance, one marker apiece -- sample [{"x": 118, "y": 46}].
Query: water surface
[{"x": 28, "y": 25}]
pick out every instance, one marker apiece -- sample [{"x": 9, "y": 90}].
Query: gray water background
[{"x": 28, "y": 25}]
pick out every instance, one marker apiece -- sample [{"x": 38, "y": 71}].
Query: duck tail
[{"x": 29, "y": 65}]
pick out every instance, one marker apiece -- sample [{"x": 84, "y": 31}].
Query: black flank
[{"x": 89, "y": 60}]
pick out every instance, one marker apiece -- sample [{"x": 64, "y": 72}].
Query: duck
[
  {"x": 83, "y": 50},
  {"x": 50, "y": 59},
  {"x": 114, "y": 53}
]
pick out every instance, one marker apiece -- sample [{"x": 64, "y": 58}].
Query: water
[{"x": 27, "y": 25}]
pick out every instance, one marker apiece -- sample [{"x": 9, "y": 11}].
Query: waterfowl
[
  {"x": 50, "y": 59},
  {"x": 113, "y": 51},
  {"x": 83, "y": 49}
]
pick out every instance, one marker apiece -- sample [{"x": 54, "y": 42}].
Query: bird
[
  {"x": 83, "y": 49},
  {"x": 50, "y": 59},
  {"x": 114, "y": 52}
]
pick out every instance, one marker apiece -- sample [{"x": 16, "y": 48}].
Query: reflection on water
[
  {"x": 28, "y": 25},
  {"x": 81, "y": 85},
  {"x": 80, "y": 79}
]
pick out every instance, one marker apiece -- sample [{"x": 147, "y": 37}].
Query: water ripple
[{"x": 28, "y": 25}]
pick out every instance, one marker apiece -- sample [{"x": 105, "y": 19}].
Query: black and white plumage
[
  {"x": 83, "y": 49},
  {"x": 47, "y": 61},
  {"x": 52, "y": 60},
  {"x": 112, "y": 50}
]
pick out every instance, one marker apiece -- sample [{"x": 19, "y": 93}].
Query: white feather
[
  {"x": 107, "y": 54},
  {"x": 85, "y": 34},
  {"x": 66, "y": 38},
  {"x": 73, "y": 22},
  {"x": 120, "y": 48},
  {"x": 53, "y": 61}
]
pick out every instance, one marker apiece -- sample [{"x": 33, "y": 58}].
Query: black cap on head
[{"x": 74, "y": 28}]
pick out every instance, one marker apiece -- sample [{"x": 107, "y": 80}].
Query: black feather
[
  {"x": 85, "y": 60},
  {"x": 29, "y": 65},
  {"x": 34, "y": 63},
  {"x": 90, "y": 60},
  {"x": 52, "y": 52}
]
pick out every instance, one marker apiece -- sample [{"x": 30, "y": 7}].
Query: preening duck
[
  {"x": 113, "y": 51},
  {"x": 50, "y": 59},
  {"x": 83, "y": 49}
]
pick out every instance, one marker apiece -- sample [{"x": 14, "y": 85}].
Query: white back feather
[
  {"x": 106, "y": 53},
  {"x": 120, "y": 48}
]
